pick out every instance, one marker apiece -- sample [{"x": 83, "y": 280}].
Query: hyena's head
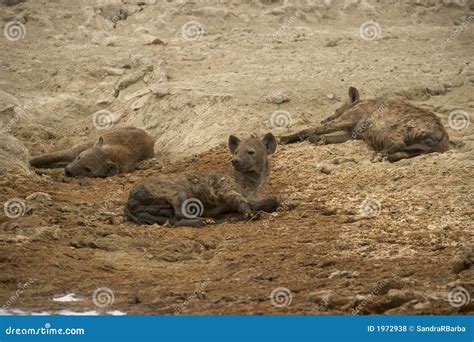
[
  {"x": 251, "y": 155},
  {"x": 350, "y": 102},
  {"x": 93, "y": 162}
]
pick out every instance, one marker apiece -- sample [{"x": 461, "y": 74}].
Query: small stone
[
  {"x": 159, "y": 91},
  {"x": 324, "y": 298},
  {"x": 110, "y": 41},
  {"x": 331, "y": 43},
  {"x": 344, "y": 274},
  {"x": 463, "y": 260},
  {"x": 326, "y": 170},
  {"x": 104, "y": 101},
  {"x": 423, "y": 306},
  {"x": 278, "y": 98},
  {"x": 148, "y": 39},
  {"x": 140, "y": 103},
  {"x": 114, "y": 71},
  {"x": 41, "y": 198}
]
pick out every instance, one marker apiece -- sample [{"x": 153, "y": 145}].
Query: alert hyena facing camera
[{"x": 188, "y": 199}]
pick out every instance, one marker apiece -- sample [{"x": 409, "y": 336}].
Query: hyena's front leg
[
  {"x": 300, "y": 136},
  {"x": 60, "y": 158},
  {"x": 312, "y": 133},
  {"x": 330, "y": 139}
]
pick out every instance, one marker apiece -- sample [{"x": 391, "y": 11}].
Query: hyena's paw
[
  {"x": 254, "y": 215},
  {"x": 197, "y": 222},
  {"x": 269, "y": 204},
  {"x": 316, "y": 139}
]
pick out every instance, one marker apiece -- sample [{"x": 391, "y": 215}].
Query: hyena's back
[{"x": 386, "y": 124}]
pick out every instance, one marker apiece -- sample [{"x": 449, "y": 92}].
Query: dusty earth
[{"x": 356, "y": 234}]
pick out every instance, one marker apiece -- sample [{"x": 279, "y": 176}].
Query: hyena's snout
[
  {"x": 68, "y": 171},
  {"x": 236, "y": 162}
]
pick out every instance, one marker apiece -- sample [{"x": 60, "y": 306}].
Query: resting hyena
[
  {"x": 116, "y": 151},
  {"x": 188, "y": 199},
  {"x": 396, "y": 128}
]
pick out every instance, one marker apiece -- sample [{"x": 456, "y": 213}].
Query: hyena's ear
[
  {"x": 100, "y": 142},
  {"x": 353, "y": 95},
  {"x": 233, "y": 143},
  {"x": 270, "y": 143},
  {"x": 112, "y": 169}
]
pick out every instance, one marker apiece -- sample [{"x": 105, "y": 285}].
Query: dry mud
[{"x": 132, "y": 63}]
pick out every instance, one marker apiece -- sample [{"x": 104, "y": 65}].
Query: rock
[
  {"x": 398, "y": 297},
  {"x": 140, "y": 103},
  {"x": 327, "y": 299},
  {"x": 104, "y": 101},
  {"x": 159, "y": 74},
  {"x": 10, "y": 111},
  {"x": 83, "y": 244},
  {"x": 138, "y": 93},
  {"x": 278, "y": 98},
  {"x": 109, "y": 243},
  {"x": 344, "y": 274},
  {"x": 158, "y": 90},
  {"x": 129, "y": 79},
  {"x": 112, "y": 10},
  {"x": 326, "y": 170},
  {"x": 114, "y": 71},
  {"x": 338, "y": 161},
  {"x": 331, "y": 43},
  {"x": 423, "y": 306},
  {"x": 41, "y": 198},
  {"x": 110, "y": 41},
  {"x": 148, "y": 39},
  {"x": 14, "y": 156},
  {"x": 393, "y": 299},
  {"x": 37, "y": 233},
  {"x": 464, "y": 260}
]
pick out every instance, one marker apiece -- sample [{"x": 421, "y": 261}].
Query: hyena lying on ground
[
  {"x": 189, "y": 199},
  {"x": 116, "y": 151},
  {"x": 396, "y": 128}
]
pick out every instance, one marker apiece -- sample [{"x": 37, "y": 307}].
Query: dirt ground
[{"x": 409, "y": 251}]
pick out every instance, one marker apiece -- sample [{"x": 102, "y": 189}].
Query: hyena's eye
[
  {"x": 87, "y": 169},
  {"x": 251, "y": 151}
]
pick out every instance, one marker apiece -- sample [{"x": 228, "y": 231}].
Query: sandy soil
[{"x": 412, "y": 252}]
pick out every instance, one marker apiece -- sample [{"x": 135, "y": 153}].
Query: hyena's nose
[
  {"x": 67, "y": 172},
  {"x": 235, "y": 162}
]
